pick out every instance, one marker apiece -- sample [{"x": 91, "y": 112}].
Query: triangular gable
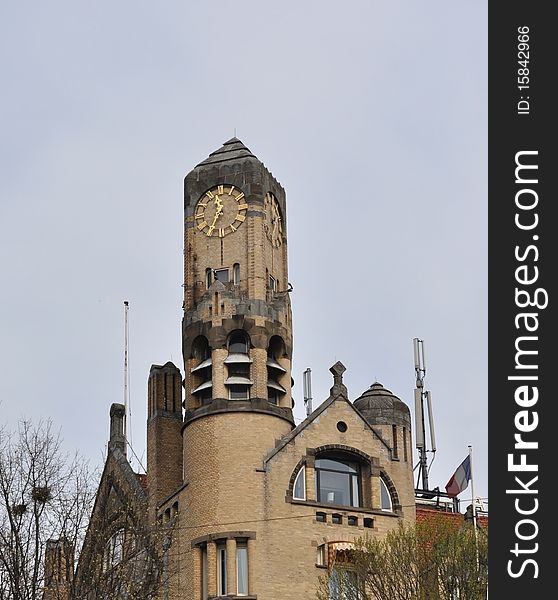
[
  {"x": 313, "y": 416},
  {"x": 118, "y": 487}
]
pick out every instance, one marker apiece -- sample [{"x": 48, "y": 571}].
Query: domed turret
[{"x": 381, "y": 407}]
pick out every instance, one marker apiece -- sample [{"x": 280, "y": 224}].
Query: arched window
[
  {"x": 238, "y": 363},
  {"x": 201, "y": 371},
  {"x": 299, "y": 486},
  {"x": 208, "y": 278},
  {"x": 236, "y": 273},
  {"x": 238, "y": 343},
  {"x": 275, "y": 371},
  {"x": 338, "y": 480},
  {"x": 386, "y": 502},
  {"x": 114, "y": 550}
]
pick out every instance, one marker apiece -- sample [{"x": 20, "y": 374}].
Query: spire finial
[{"x": 339, "y": 387}]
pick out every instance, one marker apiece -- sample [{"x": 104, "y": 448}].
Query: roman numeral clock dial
[{"x": 220, "y": 211}]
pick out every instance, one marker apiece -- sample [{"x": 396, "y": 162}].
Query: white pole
[
  {"x": 125, "y": 368},
  {"x": 473, "y": 505}
]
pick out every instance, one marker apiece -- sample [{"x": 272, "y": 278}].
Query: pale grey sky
[{"x": 373, "y": 116}]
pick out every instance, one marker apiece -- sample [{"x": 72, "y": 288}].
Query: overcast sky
[{"x": 372, "y": 114}]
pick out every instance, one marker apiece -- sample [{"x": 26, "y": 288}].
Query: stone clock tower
[
  {"x": 237, "y": 341},
  {"x": 237, "y": 346}
]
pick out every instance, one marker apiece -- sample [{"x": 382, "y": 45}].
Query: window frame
[
  {"x": 241, "y": 549},
  {"x": 221, "y": 570},
  {"x": 385, "y": 488},
  {"x": 354, "y": 479},
  {"x": 114, "y": 550},
  {"x": 222, "y": 270},
  {"x": 301, "y": 475}
]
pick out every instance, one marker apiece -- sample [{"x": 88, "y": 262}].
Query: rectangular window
[
  {"x": 221, "y": 570},
  {"x": 239, "y": 392},
  {"x": 222, "y": 275},
  {"x": 395, "y": 447},
  {"x": 405, "y": 457},
  {"x": 321, "y": 556},
  {"x": 241, "y": 569}
]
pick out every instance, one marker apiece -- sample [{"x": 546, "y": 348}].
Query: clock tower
[
  {"x": 237, "y": 340},
  {"x": 237, "y": 349}
]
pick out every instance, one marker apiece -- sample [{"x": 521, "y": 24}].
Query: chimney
[
  {"x": 59, "y": 569},
  {"x": 117, "y": 419}
]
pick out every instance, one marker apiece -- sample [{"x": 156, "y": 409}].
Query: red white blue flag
[{"x": 460, "y": 479}]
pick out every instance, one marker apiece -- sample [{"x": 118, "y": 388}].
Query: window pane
[
  {"x": 242, "y": 570},
  {"x": 222, "y": 275},
  {"x": 336, "y": 465},
  {"x": 334, "y": 487},
  {"x": 299, "y": 491},
  {"x": 239, "y": 369},
  {"x": 238, "y": 344},
  {"x": 385, "y": 496},
  {"x": 343, "y": 585},
  {"x": 238, "y": 392},
  {"x": 355, "y": 496},
  {"x": 222, "y": 571}
]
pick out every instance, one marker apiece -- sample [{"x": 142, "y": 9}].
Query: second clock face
[
  {"x": 220, "y": 211},
  {"x": 272, "y": 223}
]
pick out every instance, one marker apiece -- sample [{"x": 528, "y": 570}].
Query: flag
[{"x": 460, "y": 479}]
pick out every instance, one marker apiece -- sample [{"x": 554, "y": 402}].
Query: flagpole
[{"x": 474, "y": 510}]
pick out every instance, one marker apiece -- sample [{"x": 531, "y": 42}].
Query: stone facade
[{"x": 257, "y": 507}]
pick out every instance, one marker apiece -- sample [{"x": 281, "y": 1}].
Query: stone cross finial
[{"x": 338, "y": 386}]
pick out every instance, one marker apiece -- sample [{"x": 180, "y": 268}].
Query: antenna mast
[
  {"x": 307, "y": 385},
  {"x": 423, "y": 400},
  {"x": 126, "y": 370}
]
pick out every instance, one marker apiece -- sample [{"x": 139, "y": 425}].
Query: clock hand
[{"x": 218, "y": 213}]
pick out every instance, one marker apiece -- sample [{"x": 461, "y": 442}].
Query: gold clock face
[
  {"x": 272, "y": 224},
  {"x": 220, "y": 211}
]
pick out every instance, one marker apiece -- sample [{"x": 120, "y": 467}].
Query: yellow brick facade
[{"x": 223, "y": 460}]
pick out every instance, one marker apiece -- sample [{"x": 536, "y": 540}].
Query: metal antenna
[
  {"x": 126, "y": 370},
  {"x": 422, "y": 399},
  {"x": 307, "y": 385}
]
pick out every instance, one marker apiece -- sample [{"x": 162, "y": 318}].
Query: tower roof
[
  {"x": 380, "y": 406},
  {"x": 234, "y": 149}
]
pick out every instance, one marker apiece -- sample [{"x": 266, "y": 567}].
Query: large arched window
[{"x": 338, "y": 481}]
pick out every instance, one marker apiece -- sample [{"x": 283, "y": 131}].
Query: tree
[
  {"x": 45, "y": 500},
  {"x": 438, "y": 558}
]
